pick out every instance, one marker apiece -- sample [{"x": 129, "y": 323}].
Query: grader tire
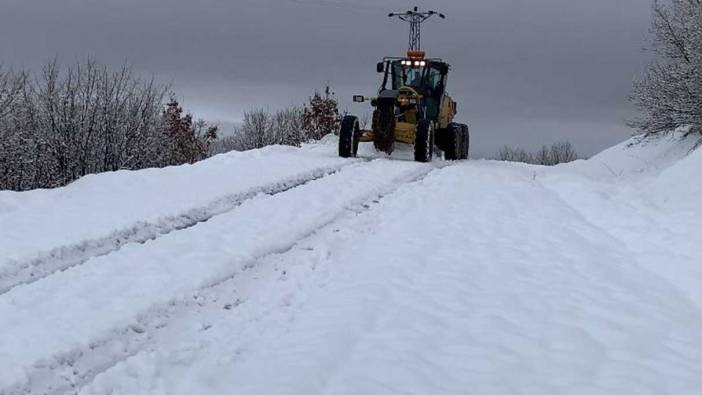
[
  {"x": 349, "y": 137},
  {"x": 424, "y": 141}
]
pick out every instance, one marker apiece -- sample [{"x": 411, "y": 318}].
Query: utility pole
[{"x": 415, "y": 19}]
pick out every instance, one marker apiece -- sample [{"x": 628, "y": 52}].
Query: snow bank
[
  {"x": 647, "y": 199},
  {"x": 680, "y": 185},
  {"x": 635, "y": 158},
  {"x": 95, "y": 206}
]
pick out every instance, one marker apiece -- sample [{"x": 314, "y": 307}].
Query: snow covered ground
[
  {"x": 301, "y": 273},
  {"x": 48, "y": 230}
]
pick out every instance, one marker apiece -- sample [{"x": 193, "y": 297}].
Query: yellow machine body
[{"x": 406, "y": 125}]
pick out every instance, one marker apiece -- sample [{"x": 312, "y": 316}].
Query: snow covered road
[
  {"x": 99, "y": 214},
  {"x": 143, "y": 278},
  {"x": 391, "y": 277}
]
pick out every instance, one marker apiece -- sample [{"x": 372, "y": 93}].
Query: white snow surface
[
  {"x": 97, "y": 205},
  {"x": 382, "y": 277}
]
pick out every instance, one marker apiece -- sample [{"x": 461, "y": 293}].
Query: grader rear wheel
[
  {"x": 452, "y": 142},
  {"x": 465, "y": 137},
  {"x": 349, "y": 137},
  {"x": 424, "y": 141}
]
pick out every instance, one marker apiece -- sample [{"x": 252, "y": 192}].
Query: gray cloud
[{"x": 524, "y": 72}]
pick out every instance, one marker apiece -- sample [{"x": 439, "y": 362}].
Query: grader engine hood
[
  {"x": 395, "y": 117},
  {"x": 387, "y": 98},
  {"x": 389, "y": 94},
  {"x": 398, "y": 101}
]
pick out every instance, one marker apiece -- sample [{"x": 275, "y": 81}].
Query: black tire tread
[
  {"x": 424, "y": 141},
  {"x": 453, "y": 142},
  {"x": 349, "y": 137},
  {"x": 465, "y": 140}
]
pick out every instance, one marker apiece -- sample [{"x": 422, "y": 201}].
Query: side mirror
[
  {"x": 358, "y": 98},
  {"x": 380, "y": 67}
]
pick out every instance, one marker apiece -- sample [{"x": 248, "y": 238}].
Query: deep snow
[{"x": 384, "y": 277}]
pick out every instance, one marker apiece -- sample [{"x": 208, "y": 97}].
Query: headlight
[
  {"x": 404, "y": 100},
  {"x": 416, "y": 63},
  {"x": 422, "y": 63}
]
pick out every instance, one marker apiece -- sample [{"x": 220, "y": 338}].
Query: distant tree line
[
  {"x": 85, "y": 118},
  {"x": 560, "y": 152},
  {"x": 290, "y": 126},
  {"x": 65, "y": 122},
  {"x": 670, "y": 94}
]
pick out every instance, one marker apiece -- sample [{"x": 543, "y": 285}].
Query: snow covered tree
[
  {"x": 288, "y": 125},
  {"x": 321, "y": 115},
  {"x": 88, "y": 118},
  {"x": 13, "y": 145},
  {"x": 261, "y": 128},
  {"x": 670, "y": 94},
  {"x": 11, "y": 86}
]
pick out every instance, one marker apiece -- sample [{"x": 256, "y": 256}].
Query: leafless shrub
[{"x": 559, "y": 152}]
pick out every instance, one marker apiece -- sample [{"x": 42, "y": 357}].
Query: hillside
[{"x": 291, "y": 271}]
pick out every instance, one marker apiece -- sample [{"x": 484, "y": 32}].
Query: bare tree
[
  {"x": 511, "y": 154},
  {"x": 224, "y": 144},
  {"x": 562, "y": 152},
  {"x": 559, "y": 152},
  {"x": 543, "y": 156},
  {"x": 261, "y": 128},
  {"x": 670, "y": 94},
  {"x": 255, "y": 131}
]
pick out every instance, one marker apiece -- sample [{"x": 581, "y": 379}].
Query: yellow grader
[{"x": 412, "y": 106}]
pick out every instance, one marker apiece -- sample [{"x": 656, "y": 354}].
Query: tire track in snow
[
  {"x": 69, "y": 372},
  {"x": 61, "y": 258}
]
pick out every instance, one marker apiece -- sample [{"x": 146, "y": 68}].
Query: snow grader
[{"x": 412, "y": 106}]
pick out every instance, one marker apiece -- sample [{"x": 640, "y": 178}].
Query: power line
[{"x": 415, "y": 19}]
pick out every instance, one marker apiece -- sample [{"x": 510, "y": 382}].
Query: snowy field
[{"x": 291, "y": 271}]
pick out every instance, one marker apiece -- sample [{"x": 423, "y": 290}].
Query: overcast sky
[{"x": 525, "y": 72}]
